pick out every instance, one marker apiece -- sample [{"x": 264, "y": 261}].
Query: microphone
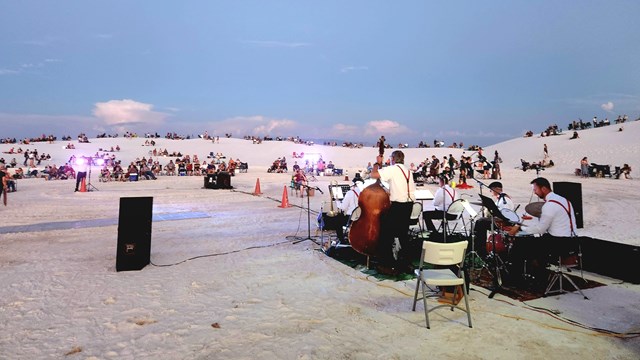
[{"x": 317, "y": 188}]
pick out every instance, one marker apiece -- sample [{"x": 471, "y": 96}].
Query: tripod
[{"x": 90, "y": 187}]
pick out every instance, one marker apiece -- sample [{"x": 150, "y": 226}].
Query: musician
[
  {"x": 558, "y": 218},
  {"x": 441, "y": 201},
  {"x": 557, "y": 222},
  {"x": 395, "y": 224},
  {"x": 348, "y": 204},
  {"x": 482, "y": 225}
]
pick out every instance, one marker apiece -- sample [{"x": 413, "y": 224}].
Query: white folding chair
[
  {"x": 442, "y": 254},
  {"x": 415, "y": 225}
]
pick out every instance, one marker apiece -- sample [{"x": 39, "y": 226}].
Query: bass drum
[{"x": 503, "y": 243}]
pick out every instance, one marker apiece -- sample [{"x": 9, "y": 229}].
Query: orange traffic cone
[
  {"x": 257, "y": 190},
  {"x": 83, "y": 185},
  {"x": 285, "y": 199}
]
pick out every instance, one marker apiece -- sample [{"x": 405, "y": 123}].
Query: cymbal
[{"x": 534, "y": 209}]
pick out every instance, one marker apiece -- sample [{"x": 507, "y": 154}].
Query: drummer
[
  {"x": 557, "y": 221},
  {"x": 349, "y": 203},
  {"x": 504, "y": 203}
]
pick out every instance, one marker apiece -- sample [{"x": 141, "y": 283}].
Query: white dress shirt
[{"x": 555, "y": 219}]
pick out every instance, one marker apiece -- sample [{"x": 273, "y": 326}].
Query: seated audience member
[
  {"x": 19, "y": 174},
  {"x": 575, "y": 135},
  {"x": 105, "y": 174},
  {"x": 170, "y": 168},
  {"x": 299, "y": 179},
  {"x": 147, "y": 173},
  {"x": 52, "y": 172},
  {"x": 131, "y": 170},
  {"x": 182, "y": 169},
  {"x": 626, "y": 170},
  {"x": 10, "y": 182},
  {"x": 118, "y": 172}
]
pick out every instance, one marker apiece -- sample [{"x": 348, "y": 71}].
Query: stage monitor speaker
[
  {"x": 210, "y": 181},
  {"x": 134, "y": 233},
  {"x": 572, "y": 192},
  {"x": 224, "y": 180}
]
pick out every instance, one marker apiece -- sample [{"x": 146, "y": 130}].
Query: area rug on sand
[{"x": 522, "y": 291}]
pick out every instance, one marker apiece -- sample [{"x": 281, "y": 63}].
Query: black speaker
[
  {"x": 210, "y": 181},
  {"x": 572, "y": 192},
  {"x": 224, "y": 180},
  {"x": 134, "y": 233}
]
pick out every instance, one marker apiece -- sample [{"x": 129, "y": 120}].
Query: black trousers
[
  {"x": 480, "y": 228},
  {"x": 395, "y": 224}
]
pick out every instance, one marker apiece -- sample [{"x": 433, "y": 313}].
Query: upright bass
[{"x": 373, "y": 202}]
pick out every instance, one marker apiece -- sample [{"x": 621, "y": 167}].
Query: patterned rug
[{"x": 517, "y": 290}]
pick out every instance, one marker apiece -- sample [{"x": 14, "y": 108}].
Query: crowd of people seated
[
  {"x": 279, "y": 165},
  {"x": 551, "y": 130},
  {"x": 536, "y": 165}
]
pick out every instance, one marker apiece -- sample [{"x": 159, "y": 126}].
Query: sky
[{"x": 477, "y": 72}]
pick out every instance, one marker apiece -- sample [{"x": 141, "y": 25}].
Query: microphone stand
[{"x": 307, "y": 188}]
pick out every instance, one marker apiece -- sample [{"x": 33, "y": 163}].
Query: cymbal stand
[{"x": 473, "y": 256}]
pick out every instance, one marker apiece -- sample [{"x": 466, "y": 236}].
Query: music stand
[{"x": 498, "y": 263}]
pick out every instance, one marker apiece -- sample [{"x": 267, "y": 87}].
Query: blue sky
[{"x": 473, "y": 71}]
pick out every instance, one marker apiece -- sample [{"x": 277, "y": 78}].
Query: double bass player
[{"x": 395, "y": 223}]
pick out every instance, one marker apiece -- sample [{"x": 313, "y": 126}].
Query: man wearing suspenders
[
  {"x": 557, "y": 222},
  {"x": 395, "y": 224},
  {"x": 441, "y": 201}
]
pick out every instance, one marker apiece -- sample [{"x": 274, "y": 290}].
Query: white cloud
[
  {"x": 346, "y": 69},
  {"x": 607, "y": 106},
  {"x": 385, "y": 127},
  {"x": 341, "y": 129},
  {"x": 8, "y": 72},
  {"x": 256, "y": 125},
  {"x": 276, "y": 44},
  {"x": 120, "y": 113}
]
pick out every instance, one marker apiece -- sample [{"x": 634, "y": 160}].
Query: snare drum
[{"x": 510, "y": 215}]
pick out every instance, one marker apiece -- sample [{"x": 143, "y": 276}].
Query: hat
[
  {"x": 495, "y": 184},
  {"x": 357, "y": 178}
]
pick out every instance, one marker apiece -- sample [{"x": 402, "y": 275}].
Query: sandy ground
[{"x": 249, "y": 292}]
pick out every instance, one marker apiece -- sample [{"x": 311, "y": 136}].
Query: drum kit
[{"x": 499, "y": 243}]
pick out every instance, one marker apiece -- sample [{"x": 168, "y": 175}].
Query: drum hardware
[{"x": 497, "y": 264}]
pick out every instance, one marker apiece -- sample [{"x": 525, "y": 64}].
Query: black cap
[{"x": 495, "y": 184}]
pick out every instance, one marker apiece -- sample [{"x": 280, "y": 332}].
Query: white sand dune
[{"x": 250, "y": 293}]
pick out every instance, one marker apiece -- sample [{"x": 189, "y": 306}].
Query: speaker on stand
[{"x": 134, "y": 233}]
